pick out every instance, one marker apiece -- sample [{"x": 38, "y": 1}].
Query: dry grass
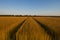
[
  {"x": 30, "y": 30},
  {"x": 51, "y": 22},
  {"x": 7, "y": 24}
]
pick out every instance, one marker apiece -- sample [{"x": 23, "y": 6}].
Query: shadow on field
[
  {"x": 12, "y": 33},
  {"x": 49, "y": 31}
]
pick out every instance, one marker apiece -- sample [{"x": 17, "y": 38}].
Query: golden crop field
[
  {"x": 7, "y": 25},
  {"x": 29, "y": 28}
]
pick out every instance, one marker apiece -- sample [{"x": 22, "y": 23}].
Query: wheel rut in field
[
  {"x": 32, "y": 30},
  {"x": 49, "y": 31},
  {"x": 12, "y": 34}
]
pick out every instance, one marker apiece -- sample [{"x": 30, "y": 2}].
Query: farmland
[{"x": 29, "y": 28}]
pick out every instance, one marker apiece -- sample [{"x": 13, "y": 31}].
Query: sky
[{"x": 30, "y": 7}]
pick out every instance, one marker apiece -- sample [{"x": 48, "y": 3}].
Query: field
[{"x": 29, "y": 28}]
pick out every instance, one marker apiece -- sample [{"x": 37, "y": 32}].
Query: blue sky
[{"x": 30, "y": 7}]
